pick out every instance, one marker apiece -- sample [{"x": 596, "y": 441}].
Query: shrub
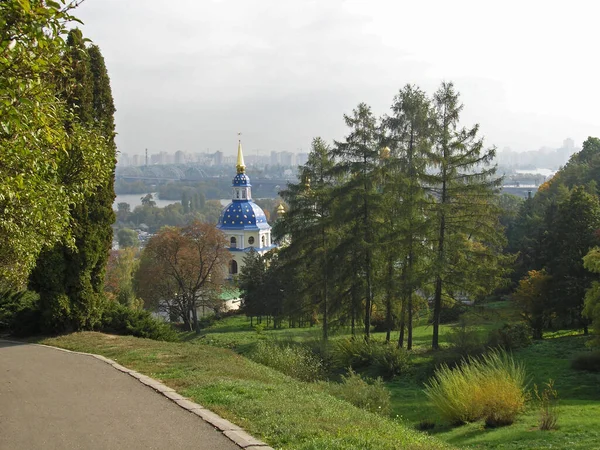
[
  {"x": 451, "y": 313},
  {"x": 368, "y": 394},
  {"x": 490, "y": 387},
  {"x": 120, "y": 319},
  {"x": 589, "y": 361},
  {"x": 20, "y": 312},
  {"x": 379, "y": 359},
  {"x": 465, "y": 340},
  {"x": 548, "y": 402},
  {"x": 294, "y": 360},
  {"x": 510, "y": 336}
]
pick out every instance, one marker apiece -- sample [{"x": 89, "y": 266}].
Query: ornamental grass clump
[
  {"x": 294, "y": 360},
  {"x": 491, "y": 387}
]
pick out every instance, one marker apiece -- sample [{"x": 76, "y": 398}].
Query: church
[{"x": 244, "y": 222}]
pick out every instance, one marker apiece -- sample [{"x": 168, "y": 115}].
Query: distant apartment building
[
  {"x": 137, "y": 160},
  {"x": 287, "y": 159},
  {"x": 180, "y": 157},
  {"x": 301, "y": 159},
  {"x": 123, "y": 160},
  {"x": 275, "y": 161},
  {"x": 218, "y": 158}
]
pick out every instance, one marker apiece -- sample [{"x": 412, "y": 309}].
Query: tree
[
  {"x": 463, "y": 185},
  {"x": 148, "y": 200},
  {"x": 37, "y": 186},
  {"x": 572, "y": 235},
  {"x": 358, "y": 161},
  {"x": 408, "y": 133},
  {"x": 532, "y": 296},
  {"x": 120, "y": 268},
  {"x": 308, "y": 223},
  {"x": 182, "y": 267},
  {"x": 127, "y": 238},
  {"x": 77, "y": 303},
  {"x": 591, "y": 309},
  {"x": 123, "y": 211}
]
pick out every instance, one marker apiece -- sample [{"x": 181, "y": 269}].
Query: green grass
[
  {"x": 579, "y": 392},
  {"x": 276, "y": 408}
]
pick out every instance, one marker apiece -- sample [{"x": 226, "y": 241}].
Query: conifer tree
[
  {"x": 71, "y": 280},
  {"x": 408, "y": 133},
  {"x": 572, "y": 235},
  {"x": 463, "y": 184},
  {"x": 308, "y": 223},
  {"x": 358, "y": 161}
]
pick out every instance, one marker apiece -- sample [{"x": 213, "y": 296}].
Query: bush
[
  {"x": 120, "y": 319},
  {"x": 371, "y": 395},
  {"x": 294, "y": 360},
  {"x": 510, "y": 336},
  {"x": 379, "y": 359},
  {"x": 451, "y": 313},
  {"x": 20, "y": 312},
  {"x": 465, "y": 340},
  {"x": 491, "y": 387},
  {"x": 589, "y": 361}
]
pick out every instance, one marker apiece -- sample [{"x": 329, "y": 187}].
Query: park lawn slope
[{"x": 278, "y": 409}]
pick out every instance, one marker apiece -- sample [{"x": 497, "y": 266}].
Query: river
[{"x": 136, "y": 200}]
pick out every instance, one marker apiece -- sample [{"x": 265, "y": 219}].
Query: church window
[
  {"x": 233, "y": 267},
  {"x": 251, "y": 240},
  {"x": 263, "y": 241},
  {"x": 244, "y": 193},
  {"x": 233, "y": 242}
]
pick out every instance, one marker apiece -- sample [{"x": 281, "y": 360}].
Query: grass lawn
[
  {"x": 278, "y": 409},
  {"x": 291, "y": 414},
  {"x": 579, "y": 392},
  {"x": 579, "y": 403}
]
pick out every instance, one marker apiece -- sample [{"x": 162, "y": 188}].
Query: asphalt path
[{"x": 51, "y": 399}]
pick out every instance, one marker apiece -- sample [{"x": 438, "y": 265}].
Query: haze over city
[{"x": 189, "y": 77}]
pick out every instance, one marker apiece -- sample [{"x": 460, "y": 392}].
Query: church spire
[{"x": 240, "y": 166}]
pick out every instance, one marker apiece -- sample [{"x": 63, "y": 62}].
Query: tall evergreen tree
[
  {"x": 463, "y": 185},
  {"x": 71, "y": 280},
  {"x": 358, "y": 160},
  {"x": 408, "y": 132},
  {"x": 308, "y": 223},
  {"x": 572, "y": 235}
]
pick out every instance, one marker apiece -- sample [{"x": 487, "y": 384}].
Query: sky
[{"x": 189, "y": 75}]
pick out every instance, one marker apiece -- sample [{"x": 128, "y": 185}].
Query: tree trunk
[
  {"x": 195, "y": 319},
  {"x": 402, "y": 324},
  {"x": 410, "y": 321}
]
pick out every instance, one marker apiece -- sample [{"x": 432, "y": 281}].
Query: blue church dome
[
  {"x": 243, "y": 215},
  {"x": 241, "y": 179}
]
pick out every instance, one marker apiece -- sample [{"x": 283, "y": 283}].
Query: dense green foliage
[
  {"x": 19, "y": 311},
  {"x": 121, "y": 319},
  {"x": 70, "y": 280},
  {"x": 552, "y": 232},
  {"x": 50, "y": 159},
  {"x": 400, "y": 210}
]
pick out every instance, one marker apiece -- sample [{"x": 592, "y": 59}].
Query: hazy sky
[{"x": 189, "y": 74}]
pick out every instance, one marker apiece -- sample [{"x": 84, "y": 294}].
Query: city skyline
[{"x": 283, "y": 73}]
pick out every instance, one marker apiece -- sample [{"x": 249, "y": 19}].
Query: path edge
[{"x": 233, "y": 432}]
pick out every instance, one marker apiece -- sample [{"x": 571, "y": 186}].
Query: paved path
[{"x": 56, "y": 400}]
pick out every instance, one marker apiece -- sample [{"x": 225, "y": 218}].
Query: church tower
[{"x": 243, "y": 221}]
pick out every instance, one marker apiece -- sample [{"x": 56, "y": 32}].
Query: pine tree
[{"x": 463, "y": 185}]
